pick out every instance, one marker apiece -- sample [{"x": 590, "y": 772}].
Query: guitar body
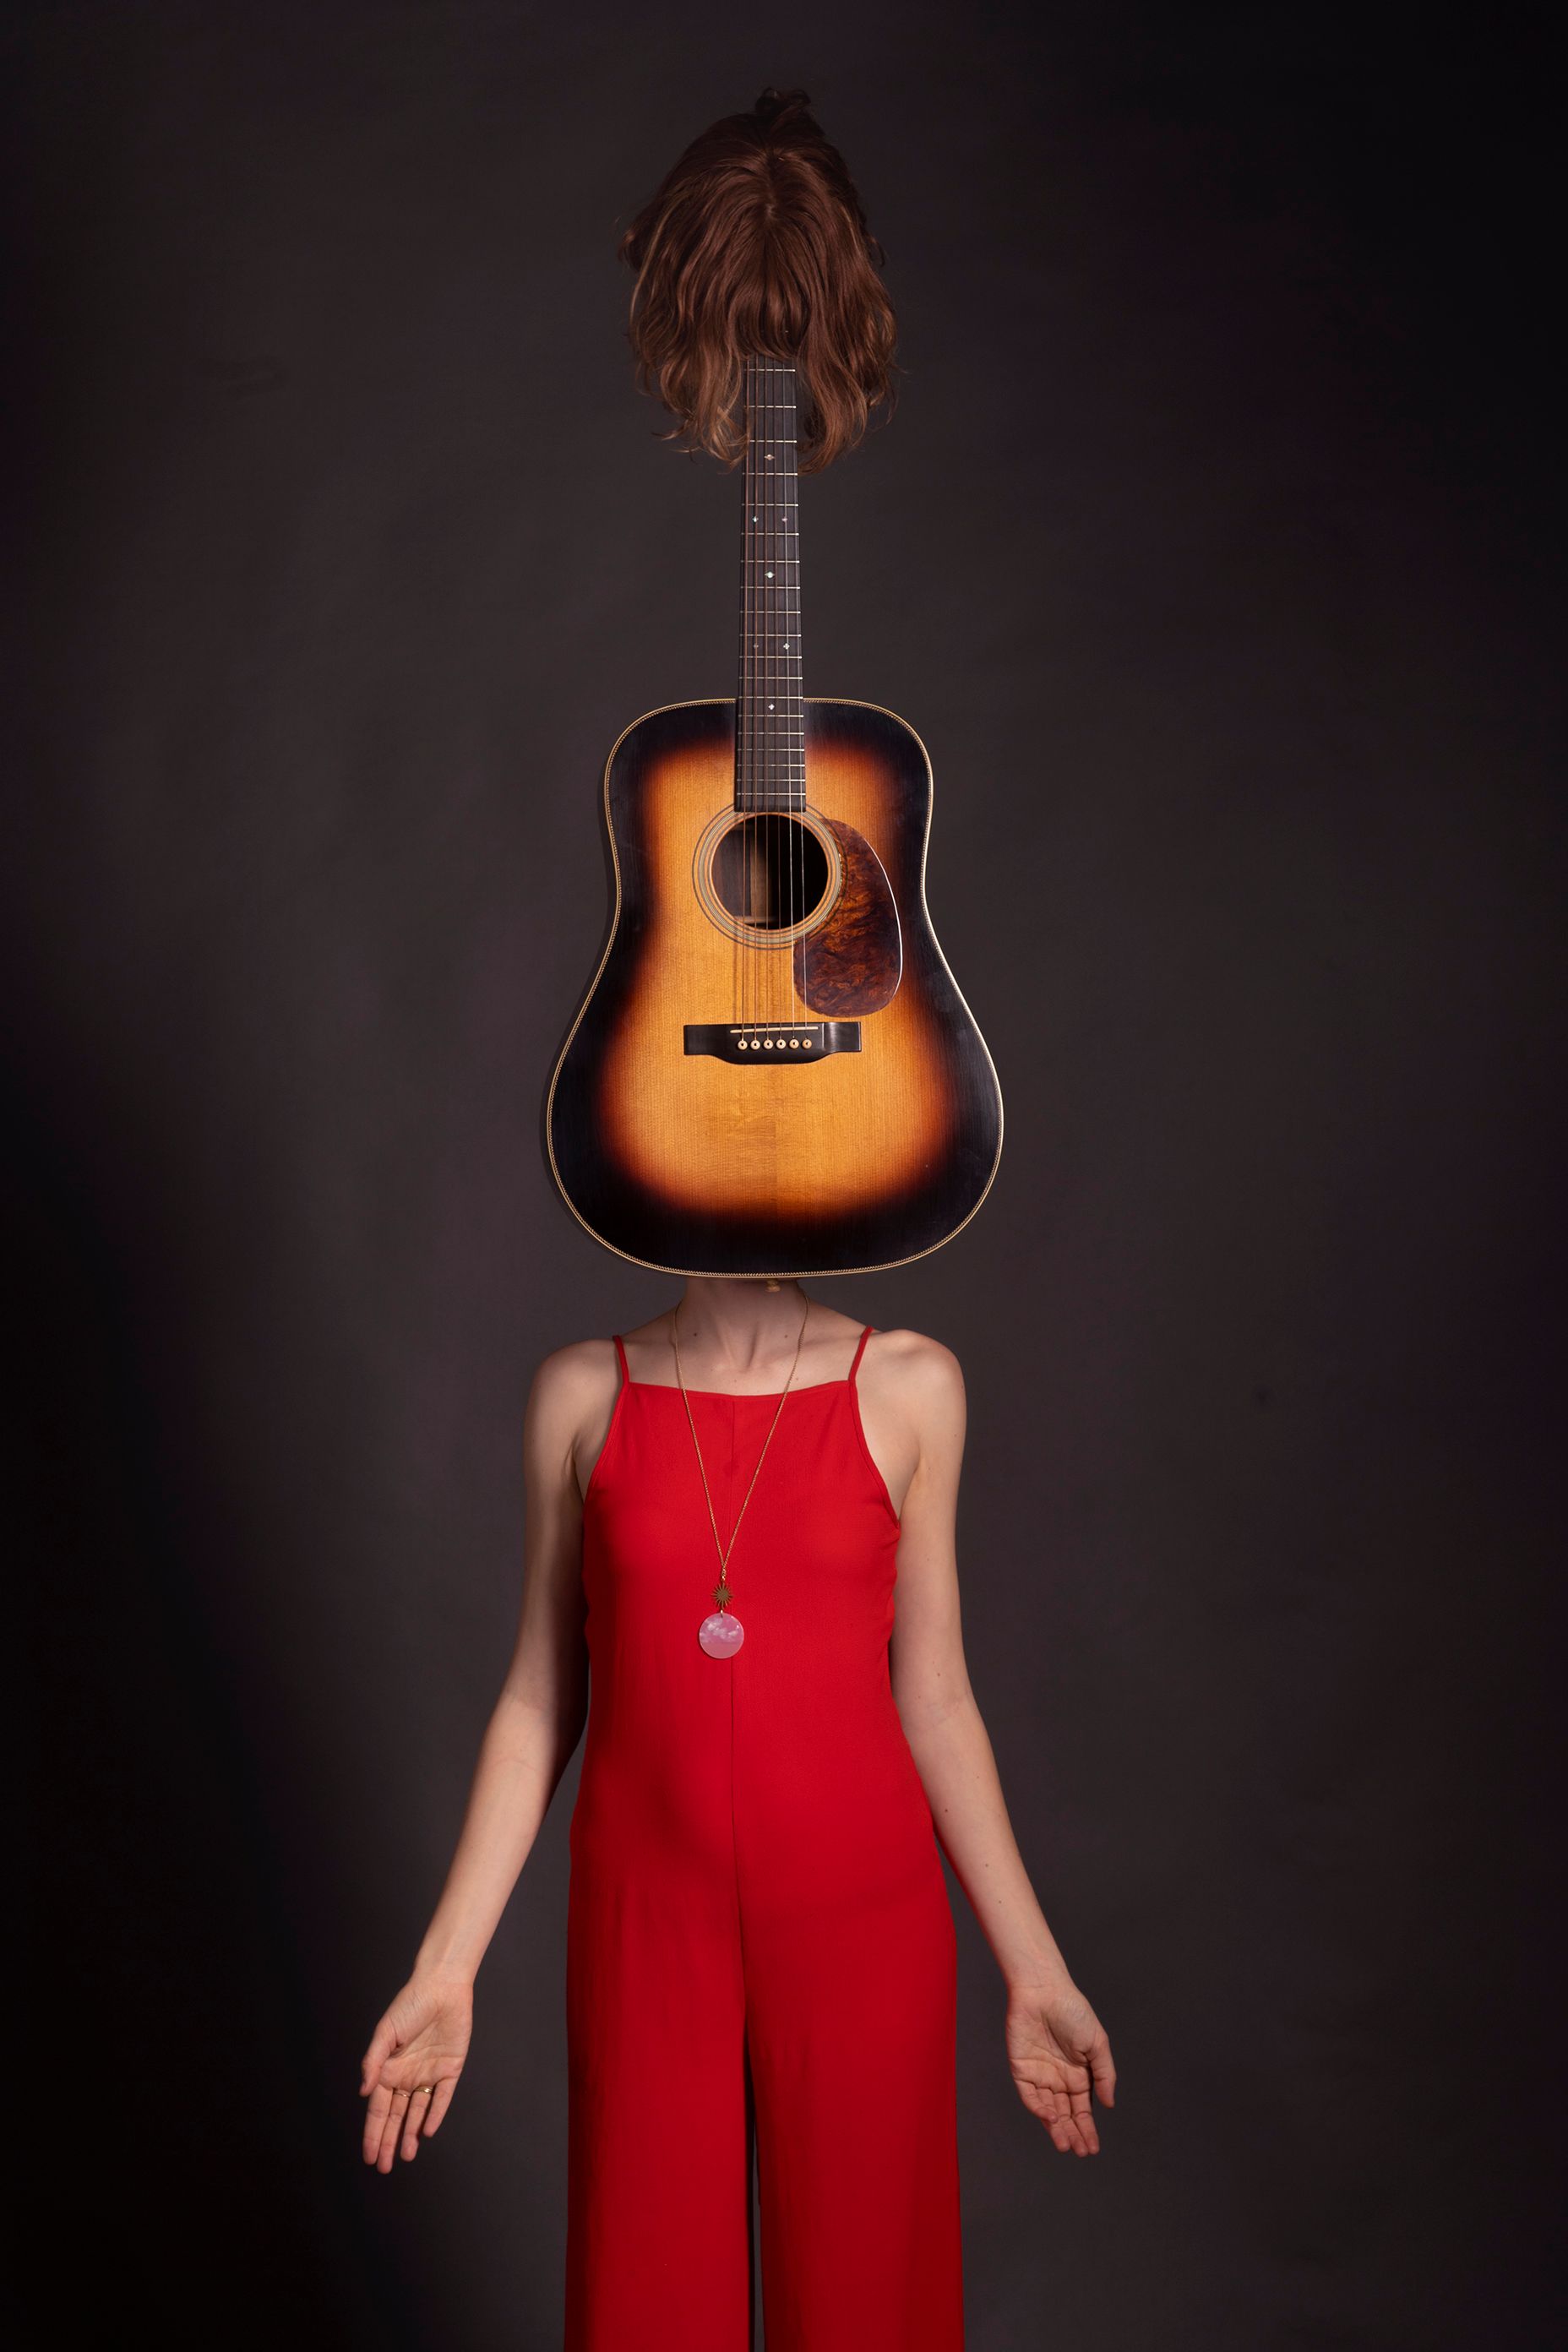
[{"x": 773, "y": 1072}]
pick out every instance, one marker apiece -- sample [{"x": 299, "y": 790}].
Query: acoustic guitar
[{"x": 773, "y": 1072}]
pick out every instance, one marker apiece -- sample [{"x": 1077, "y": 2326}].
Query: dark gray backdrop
[{"x": 1208, "y": 552}]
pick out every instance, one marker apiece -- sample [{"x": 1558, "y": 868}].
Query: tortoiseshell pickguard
[{"x": 853, "y": 964}]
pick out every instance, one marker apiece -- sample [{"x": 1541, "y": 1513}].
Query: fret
[{"x": 770, "y": 716}]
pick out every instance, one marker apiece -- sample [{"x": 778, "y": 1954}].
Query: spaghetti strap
[
  {"x": 861, "y": 1351},
  {"x": 626, "y": 1376}
]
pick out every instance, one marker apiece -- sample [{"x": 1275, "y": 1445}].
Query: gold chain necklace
[{"x": 722, "y": 1633}]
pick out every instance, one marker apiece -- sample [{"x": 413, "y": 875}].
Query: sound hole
[{"x": 770, "y": 871}]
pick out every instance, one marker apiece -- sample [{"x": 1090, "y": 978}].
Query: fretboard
[{"x": 769, "y": 756}]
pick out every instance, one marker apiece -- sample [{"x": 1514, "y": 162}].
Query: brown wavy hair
[{"x": 755, "y": 242}]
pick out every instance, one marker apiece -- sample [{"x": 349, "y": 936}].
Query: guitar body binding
[{"x": 772, "y": 1072}]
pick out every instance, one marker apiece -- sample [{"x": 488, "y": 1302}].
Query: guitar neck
[{"x": 770, "y": 711}]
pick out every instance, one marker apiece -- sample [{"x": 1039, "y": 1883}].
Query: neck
[
  {"x": 770, "y": 711},
  {"x": 739, "y": 1322}
]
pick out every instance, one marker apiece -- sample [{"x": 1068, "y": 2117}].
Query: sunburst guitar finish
[{"x": 773, "y": 1071}]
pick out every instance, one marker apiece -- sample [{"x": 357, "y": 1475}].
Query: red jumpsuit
[{"x": 758, "y": 1938}]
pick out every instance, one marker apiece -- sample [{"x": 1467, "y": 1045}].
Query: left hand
[
  {"x": 410, "y": 2071},
  {"x": 1059, "y": 2050}
]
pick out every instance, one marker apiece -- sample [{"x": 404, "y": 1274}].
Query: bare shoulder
[
  {"x": 915, "y": 1371},
  {"x": 574, "y": 1382}
]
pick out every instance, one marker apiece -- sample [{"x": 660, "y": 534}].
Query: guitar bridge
[{"x": 763, "y": 1041}]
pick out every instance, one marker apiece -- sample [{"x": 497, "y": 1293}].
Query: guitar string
[
  {"x": 797, "y": 700},
  {"x": 762, "y": 887},
  {"x": 763, "y": 901},
  {"x": 799, "y": 836},
  {"x": 760, "y": 878},
  {"x": 741, "y": 699},
  {"x": 749, "y": 950},
  {"x": 765, "y": 525},
  {"x": 786, "y": 700},
  {"x": 781, "y": 823},
  {"x": 773, "y": 865},
  {"x": 747, "y": 1009},
  {"x": 743, "y": 908},
  {"x": 766, "y": 796},
  {"x": 796, "y": 709},
  {"x": 738, "y": 965},
  {"x": 748, "y": 878},
  {"x": 769, "y": 645},
  {"x": 768, "y": 822}
]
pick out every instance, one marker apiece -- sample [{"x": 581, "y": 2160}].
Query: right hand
[
  {"x": 420, "y": 2045},
  {"x": 1060, "y": 2056}
]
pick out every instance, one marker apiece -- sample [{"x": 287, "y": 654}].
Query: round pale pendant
[{"x": 721, "y": 1635}]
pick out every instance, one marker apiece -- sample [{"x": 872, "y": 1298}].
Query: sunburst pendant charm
[{"x": 721, "y": 1635}]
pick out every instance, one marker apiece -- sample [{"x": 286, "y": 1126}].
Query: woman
[
  {"x": 760, "y": 1948},
  {"x": 760, "y": 1945}
]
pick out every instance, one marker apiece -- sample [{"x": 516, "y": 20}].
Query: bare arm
[
  {"x": 538, "y": 1718},
  {"x": 1056, "y": 2045},
  {"x": 422, "y": 2040}
]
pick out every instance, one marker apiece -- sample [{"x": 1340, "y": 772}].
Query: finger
[
  {"x": 439, "y": 2105},
  {"x": 1103, "y": 2072},
  {"x": 1044, "y": 2102},
  {"x": 419, "y": 2108},
  {"x": 386, "y": 2156},
  {"x": 396, "y": 2124},
  {"x": 1069, "y": 2100},
  {"x": 1038, "y": 2097},
  {"x": 383, "y": 2043},
  {"x": 375, "y": 2121},
  {"x": 1074, "y": 2108},
  {"x": 1088, "y": 2137}
]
